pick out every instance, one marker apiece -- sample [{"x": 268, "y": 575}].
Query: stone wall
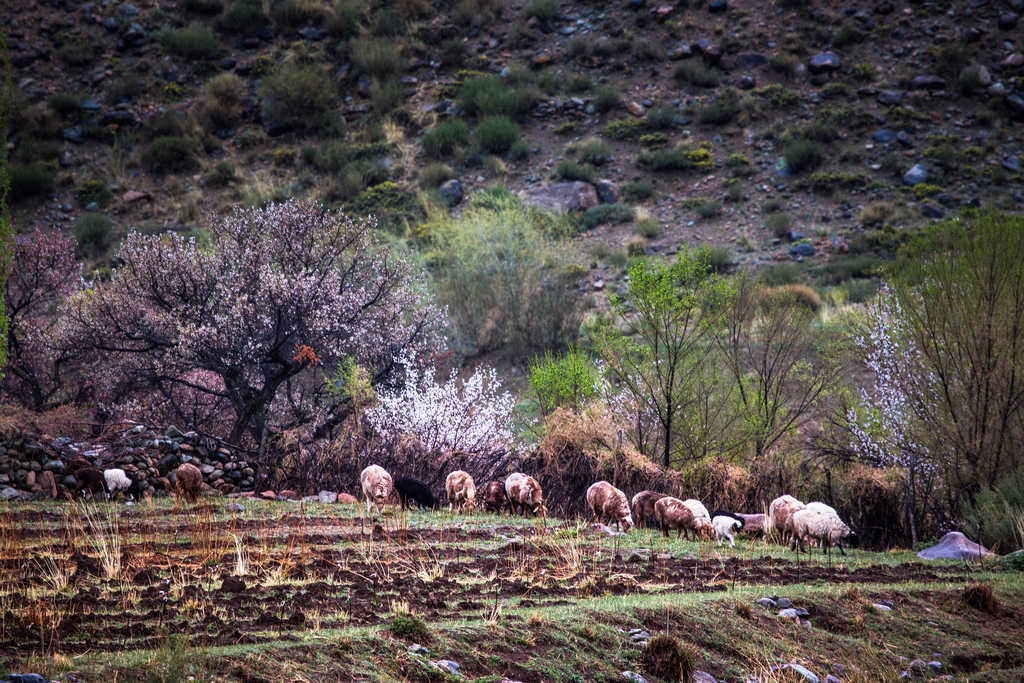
[{"x": 37, "y": 465}]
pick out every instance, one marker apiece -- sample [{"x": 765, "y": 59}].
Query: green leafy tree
[
  {"x": 659, "y": 346},
  {"x": 563, "y": 380},
  {"x": 960, "y": 287}
]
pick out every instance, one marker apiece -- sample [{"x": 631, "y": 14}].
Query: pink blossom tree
[
  {"x": 279, "y": 292},
  {"x": 44, "y": 274}
]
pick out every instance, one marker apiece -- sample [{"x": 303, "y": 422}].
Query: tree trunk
[{"x": 912, "y": 507}]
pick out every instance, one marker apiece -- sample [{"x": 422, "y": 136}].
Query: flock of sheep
[{"x": 791, "y": 519}]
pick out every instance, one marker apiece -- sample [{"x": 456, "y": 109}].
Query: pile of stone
[{"x": 38, "y": 465}]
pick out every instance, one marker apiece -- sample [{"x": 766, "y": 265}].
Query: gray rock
[
  {"x": 563, "y": 197},
  {"x": 954, "y": 546},
  {"x": 11, "y": 493},
  {"x": 932, "y": 210},
  {"x": 916, "y": 175},
  {"x": 890, "y": 96},
  {"x": 235, "y": 507},
  {"x": 831, "y": 679},
  {"x": 750, "y": 60},
  {"x": 452, "y": 191},
  {"x": 746, "y": 83},
  {"x": 767, "y": 602},
  {"x": 788, "y": 613},
  {"x": 640, "y": 636},
  {"x": 880, "y": 607},
  {"x": 824, "y": 62},
  {"x": 802, "y": 249},
  {"x": 904, "y": 139},
  {"x": 25, "y": 678},
  {"x": 73, "y": 134},
  {"x": 173, "y": 432},
  {"x": 446, "y": 665},
  {"x": 884, "y": 135},
  {"x": 1011, "y": 163},
  {"x": 927, "y": 82},
  {"x": 605, "y": 529},
  {"x": 804, "y": 673},
  {"x": 935, "y": 666},
  {"x": 418, "y": 649},
  {"x": 783, "y": 603},
  {"x": 1016, "y": 106},
  {"x": 1008, "y": 20},
  {"x": 607, "y": 191},
  {"x": 703, "y": 677},
  {"x": 633, "y": 676},
  {"x": 327, "y": 497}
]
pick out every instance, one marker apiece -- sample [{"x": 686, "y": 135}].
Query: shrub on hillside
[
  {"x": 245, "y": 16},
  {"x": 678, "y": 158},
  {"x": 392, "y": 205},
  {"x": 637, "y": 190},
  {"x": 570, "y": 380},
  {"x": 223, "y": 99},
  {"x": 298, "y": 96},
  {"x": 31, "y": 180},
  {"x": 169, "y": 154},
  {"x": 544, "y": 10},
  {"x": 210, "y": 7},
  {"x": 298, "y": 13},
  {"x": 606, "y": 98},
  {"x": 693, "y": 72},
  {"x": 803, "y": 155},
  {"x": 444, "y": 139},
  {"x": 94, "y": 232},
  {"x": 378, "y": 57},
  {"x": 568, "y": 169},
  {"x": 348, "y": 19},
  {"x": 996, "y": 518},
  {"x": 195, "y": 41},
  {"x": 496, "y": 134},
  {"x": 719, "y": 111},
  {"x": 489, "y": 95},
  {"x": 594, "y": 152},
  {"x": 607, "y": 213}
]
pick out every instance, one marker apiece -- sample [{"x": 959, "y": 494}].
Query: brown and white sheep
[
  {"x": 524, "y": 493},
  {"x": 189, "y": 481},
  {"x": 494, "y": 496},
  {"x": 90, "y": 479},
  {"x": 643, "y": 506},
  {"x": 673, "y": 513},
  {"x": 697, "y": 508},
  {"x": 461, "y": 490},
  {"x": 377, "y": 485},
  {"x": 779, "y": 513},
  {"x": 609, "y": 504}
]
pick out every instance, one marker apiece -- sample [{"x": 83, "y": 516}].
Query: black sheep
[{"x": 409, "y": 489}]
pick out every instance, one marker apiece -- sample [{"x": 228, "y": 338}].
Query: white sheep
[
  {"x": 697, "y": 508},
  {"x": 779, "y": 513},
  {"x": 821, "y": 507},
  {"x": 726, "y": 527},
  {"x": 823, "y": 526},
  {"x": 116, "y": 480}
]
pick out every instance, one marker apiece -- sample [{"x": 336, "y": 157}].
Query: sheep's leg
[
  {"x": 841, "y": 551},
  {"x": 732, "y": 541}
]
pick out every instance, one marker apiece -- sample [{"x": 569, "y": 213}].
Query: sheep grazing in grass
[
  {"x": 609, "y": 505},
  {"x": 697, "y": 508},
  {"x": 377, "y": 485},
  {"x": 643, "y": 506},
  {"x": 752, "y": 524},
  {"x": 494, "y": 496},
  {"x": 415, "y": 491},
  {"x": 779, "y": 512},
  {"x": 117, "y": 480},
  {"x": 726, "y": 525},
  {"x": 673, "y": 513},
  {"x": 189, "y": 481},
  {"x": 461, "y": 490},
  {"x": 90, "y": 479},
  {"x": 523, "y": 492},
  {"x": 822, "y": 526}
]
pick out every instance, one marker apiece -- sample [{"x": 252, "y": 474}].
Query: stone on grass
[
  {"x": 563, "y": 197},
  {"x": 703, "y": 677},
  {"x": 916, "y": 175},
  {"x": 804, "y": 673},
  {"x": 633, "y": 676},
  {"x": 954, "y": 546},
  {"x": 25, "y": 678},
  {"x": 446, "y": 665},
  {"x": 418, "y": 649},
  {"x": 766, "y": 602},
  {"x": 783, "y": 603},
  {"x": 824, "y": 62},
  {"x": 327, "y": 497},
  {"x": 788, "y": 613}
]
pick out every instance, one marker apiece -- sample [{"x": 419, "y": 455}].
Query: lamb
[
  {"x": 90, "y": 479},
  {"x": 524, "y": 492},
  {"x": 609, "y": 503},
  {"x": 726, "y": 525},
  {"x": 189, "y": 481},
  {"x": 461, "y": 490},
  {"x": 673, "y": 513},
  {"x": 643, "y": 506},
  {"x": 116, "y": 480},
  {"x": 413, "y": 490},
  {"x": 779, "y": 512},
  {"x": 822, "y": 526},
  {"x": 377, "y": 485},
  {"x": 494, "y": 496}
]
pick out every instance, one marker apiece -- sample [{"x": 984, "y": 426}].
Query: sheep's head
[
  {"x": 852, "y": 539},
  {"x": 470, "y": 504},
  {"x": 704, "y": 528},
  {"x": 540, "y": 509},
  {"x": 627, "y": 522}
]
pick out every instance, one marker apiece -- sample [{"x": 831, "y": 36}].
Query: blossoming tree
[{"x": 278, "y": 292}]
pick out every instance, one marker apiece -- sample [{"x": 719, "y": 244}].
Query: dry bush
[
  {"x": 223, "y": 99},
  {"x": 71, "y": 421},
  {"x": 668, "y": 659},
  {"x": 803, "y": 295},
  {"x": 980, "y": 597}
]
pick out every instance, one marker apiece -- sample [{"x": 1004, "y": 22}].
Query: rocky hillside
[{"x": 796, "y": 130}]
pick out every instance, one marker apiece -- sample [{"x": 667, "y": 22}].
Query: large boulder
[
  {"x": 563, "y": 197},
  {"x": 954, "y": 546}
]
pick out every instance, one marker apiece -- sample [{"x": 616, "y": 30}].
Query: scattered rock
[
  {"x": 803, "y": 673},
  {"x": 783, "y": 603},
  {"x": 232, "y": 584},
  {"x": 418, "y": 649},
  {"x": 607, "y": 191},
  {"x": 347, "y": 499},
  {"x": 703, "y": 677},
  {"x": 134, "y": 195},
  {"x": 25, "y": 678},
  {"x": 447, "y": 666},
  {"x": 802, "y": 249},
  {"x": 451, "y": 191},
  {"x": 767, "y": 603},
  {"x": 235, "y": 507},
  {"x": 635, "y": 108},
  {"x": 327, "y": 497},
  {"x": 932, "y": 210},
  {"x": 927, "y": 82},
  {"x": 11, "y": 493},
  {"x": 916, "y": 175},
  {"x": 633, "y": 676},
  {"x": 1008, "y": 21},
  {"x": 824, "y": 62},
  {"x": 884, "y": 135},
  {"x": 788, "y": 613},
  {"x": 563, "y": 197},
  {"x": 954, "y": 546},
  {"x": 890, "y": 96},
  {"x": 268, "y": 495},
  {"x": 750, "y": 60}
]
